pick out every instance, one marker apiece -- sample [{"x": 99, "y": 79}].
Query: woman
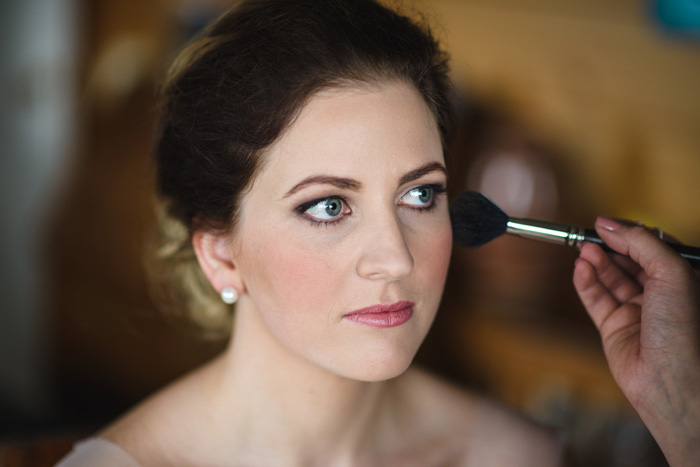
[{"x": 302, "y": 149}]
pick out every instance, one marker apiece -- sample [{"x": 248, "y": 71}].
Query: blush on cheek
[
  {"x": 439, "y": 253},
  {"x": 294, "y": 277}
]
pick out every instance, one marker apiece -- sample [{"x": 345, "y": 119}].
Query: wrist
[{"x": 674, "y": 422}]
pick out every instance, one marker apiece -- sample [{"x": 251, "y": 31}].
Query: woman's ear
[{"x": 215, "y": 259}]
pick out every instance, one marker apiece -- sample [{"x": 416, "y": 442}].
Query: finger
[
  {"x": 617, "y": 280},
  {"x": 626, "y": 263},
  {"x": 632, "y": 268},
  {"x": 615, "y": 322},
  {"x": 597, "y": 300},
  {"x": 643, "y": 247},
  {"x": 665, "y": 236}
]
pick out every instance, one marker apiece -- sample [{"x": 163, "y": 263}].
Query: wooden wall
[{"x": 600, "y": 81}]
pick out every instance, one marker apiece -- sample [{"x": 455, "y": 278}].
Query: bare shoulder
[
  {"x": 149, "y": 430},
  {"x": 508, "y": 438},
  {"x": 487, "y": 433}
]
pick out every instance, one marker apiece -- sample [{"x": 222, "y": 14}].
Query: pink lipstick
[{"x": 382, "y": 316}]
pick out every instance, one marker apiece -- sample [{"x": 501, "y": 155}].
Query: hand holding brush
[
  {"x": 646, "y": 307},
  {"x": 645, "y": 303}
]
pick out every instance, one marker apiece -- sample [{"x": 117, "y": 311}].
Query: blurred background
[{"x": 567, "y": 110}]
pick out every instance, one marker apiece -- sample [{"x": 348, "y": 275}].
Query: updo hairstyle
[{"x": 232, "y": 92}]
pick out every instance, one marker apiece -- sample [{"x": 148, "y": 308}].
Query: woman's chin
[
  {"x": 386, "y": 374},
  {"x": 385, "y": 367}
]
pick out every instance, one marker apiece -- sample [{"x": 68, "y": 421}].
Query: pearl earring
[{"x": 229, "y": 295}]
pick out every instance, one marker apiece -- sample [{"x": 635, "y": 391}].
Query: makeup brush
[{"x": 476, "y": 220}]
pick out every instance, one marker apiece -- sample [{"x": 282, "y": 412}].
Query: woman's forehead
[{"x": 357, "y": 125}]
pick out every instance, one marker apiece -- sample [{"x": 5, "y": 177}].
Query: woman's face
[{"x": 344, "y": 239}]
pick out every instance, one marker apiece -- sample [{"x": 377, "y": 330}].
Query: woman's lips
[{"x": 382, "y": 316}]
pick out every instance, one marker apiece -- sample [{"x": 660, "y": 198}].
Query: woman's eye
[
  {"x": 327, "y": 209},
  {"x": 421, "y": 196}
]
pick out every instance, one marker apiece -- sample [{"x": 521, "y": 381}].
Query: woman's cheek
[
  {"x": 294, "y": 276},
  {"x": 437, "y": 252}
]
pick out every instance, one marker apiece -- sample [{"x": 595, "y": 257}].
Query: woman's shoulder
[
  {"x": 170, "y": 417},
  {"x": 506, "y": 437},
  {"x": 97, "y": 451},
  {"x": 489, "y": 433}
]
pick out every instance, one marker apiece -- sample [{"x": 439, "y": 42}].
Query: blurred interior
[{"x": 567, "y": 110}]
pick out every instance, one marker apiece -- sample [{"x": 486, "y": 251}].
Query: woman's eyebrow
[
  {"x": 340, "y": 182},
  {"x": 420, "y": 171},
  {"x": 354, "y": 185}
]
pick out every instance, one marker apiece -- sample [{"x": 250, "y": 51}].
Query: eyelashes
[
  {"x": 331, "y": 210},
  {"x": 422, "y": 197},
  {"x": 324, "y": 211}
]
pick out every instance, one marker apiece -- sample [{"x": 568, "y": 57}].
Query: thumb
[{"x": 643, "y": 246}]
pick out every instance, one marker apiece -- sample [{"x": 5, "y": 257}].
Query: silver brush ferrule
[{"x": 562, "y": 234}]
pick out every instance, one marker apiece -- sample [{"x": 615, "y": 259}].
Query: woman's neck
[{"x": 280, "y": 399}]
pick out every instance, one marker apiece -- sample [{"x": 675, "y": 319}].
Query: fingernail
[{"x": 608, "y": 223}]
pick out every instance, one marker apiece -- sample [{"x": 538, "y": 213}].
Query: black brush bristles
[{"x": 476, "y": 220}]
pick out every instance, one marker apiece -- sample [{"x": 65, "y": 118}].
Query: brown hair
[{"x": 233, "y": 91}]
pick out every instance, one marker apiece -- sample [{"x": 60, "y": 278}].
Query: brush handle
[
  {"x": 571, "y": 235},
  {"x": 691, "y": 253}
]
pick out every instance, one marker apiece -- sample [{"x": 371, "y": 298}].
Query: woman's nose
[{"x": 385, "y": 255}]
